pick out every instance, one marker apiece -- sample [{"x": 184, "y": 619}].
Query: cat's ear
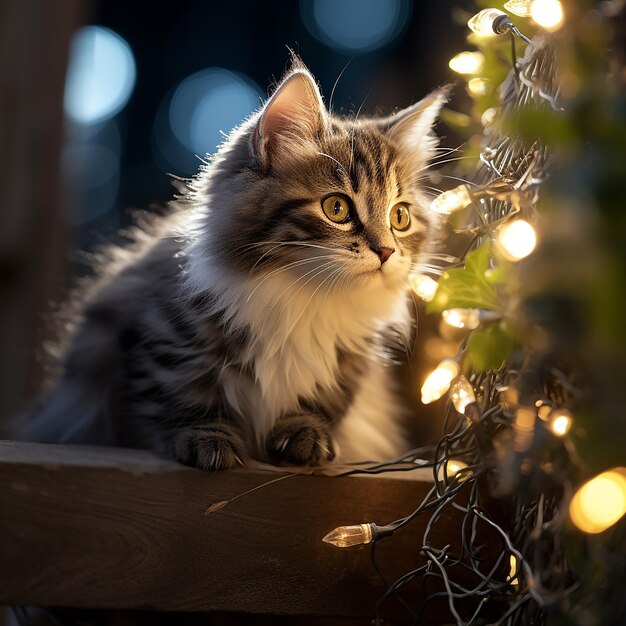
[
  {"x": 412, "y": 128},
  {"x": 293, "y": 116}
]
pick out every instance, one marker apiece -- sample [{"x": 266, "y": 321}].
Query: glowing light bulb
[
  {"x": 560, "y": 422},
  {"x": 438, "y": 381},
  {"x": 452, "y": 200},
  {"x": 462, "y": 394},
  {"x": 348, "y": 536},
  {"x": 513, "y": 569},
  {"x": 517, "y": 240},
  {"x": 479, "y": 86},
  {"x": 521, "y": 8},
  {"x": 544, "y": 412},
  {"x": 488, "y": 117},
  {"x": 489, "y": 22},
  {"x": 547, "y": 13},
  {"x": 600, "y": 502},
  {"x": 524, "y": 428},
  {"x": 462, "y": 318},
  {"x": 452, "y": 467},
  {"x": 467, "y": 62},
  {"x": 424, "y": 286}
]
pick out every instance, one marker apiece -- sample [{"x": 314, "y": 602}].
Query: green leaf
[
  {"x": 488, "y": 348},
  {"x": 467, "y": 287}
]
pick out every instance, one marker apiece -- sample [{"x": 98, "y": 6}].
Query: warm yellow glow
[
  {"x": 462, "y": 394},
  {"x": 488, "y": 116},
  {"x": 438, "y": 381},
  {"x": 544, "y": 412},
  {"x": 517, "y": 240},
  {"x": 547, "y": 13},
  {"x": 524, "y": 427},
  {"x": 521, "y": 8},
  {"x": 348, "y": 536},
  {"x": 513, "y": 569},
  {"x": 560, "y": 422},
  {"x": 467, "y": 62},
  {"x": 424, "y": 286},
  {"x": 482, "y": 22},
  {"x": 453, "y": 467},
  {"x": 479, "y": 86},
  {"x": 462, "y": 318},
  {"x": 600, "y": 502},
  {"x": 452, "y": 200}
]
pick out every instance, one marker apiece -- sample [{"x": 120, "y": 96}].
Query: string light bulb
[
  {"x": 479, "y": 86},
  {"x": 424, "y": 286},
  {"x": 462, "y": 318},
  {"x": 524, "y": 427},
  {"x": 547, "y": 13},
  {"x": 451, "y": 200},
  {"x": 513, "y": 571},
  {"x": 560, "y": 422},
  {"x": 438, "y": 381},
  {"x": 489, "y": 22},
  {"x": 462, "y": 394},
  {"x": 489, "y": 116},
  {"x": 600, "y": 502},
  {"x": 452, "y": 468},
  {"x": 516, "y": 240},
  {"x": 348, "y": 536},
  {"x": 521, "y": 8},
  {"x": 467, "y": 62}
]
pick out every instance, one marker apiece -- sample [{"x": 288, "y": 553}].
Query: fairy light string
[{"x": 507, "y": 428}]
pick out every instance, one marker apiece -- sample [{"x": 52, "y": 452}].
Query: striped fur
[{"x": 247, "y": 324}]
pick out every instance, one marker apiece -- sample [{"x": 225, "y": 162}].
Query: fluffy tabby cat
[{"x": 250, "y": 322}]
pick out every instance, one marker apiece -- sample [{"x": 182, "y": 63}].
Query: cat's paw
[
  {"x": 301, "y": 440},
  {"x": 211, "y": 447}
]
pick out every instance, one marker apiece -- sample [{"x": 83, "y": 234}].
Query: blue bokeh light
[
  {"x": 101, "y": 75},
  {"x": 356, "y": 25},
  {"x": 209, "y": 104},
  {"x": 91, "y": 166}
]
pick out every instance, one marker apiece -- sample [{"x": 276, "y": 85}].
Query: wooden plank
[{"x": 124, "y": 529}]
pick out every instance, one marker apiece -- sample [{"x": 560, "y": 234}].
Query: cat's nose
[{"x": 383, "y": 252}]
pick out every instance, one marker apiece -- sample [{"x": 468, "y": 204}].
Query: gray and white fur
[{"x": 246, "y": 323}]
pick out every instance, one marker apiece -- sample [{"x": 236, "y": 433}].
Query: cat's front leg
[
  {"x": 301, "y": 440},
  {"x": 209, "y": 447}
]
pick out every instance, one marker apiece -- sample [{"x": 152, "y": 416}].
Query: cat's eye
[
  {"x": 400, "y": 217},
  {"x": 337, "y": 209}
]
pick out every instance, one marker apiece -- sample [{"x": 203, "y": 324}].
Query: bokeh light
[
  {"x": 91, "y": 165},
  {"x": 356, "y": 25},
  {"x": 202, "y": 110},
  {"x": 517, "y": 239},
  {"x": 600, "y": 502},
  {"x": 438, "y": 381},
  {"x": 100, "y": 75}
]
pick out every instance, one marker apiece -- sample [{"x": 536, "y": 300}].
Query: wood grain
[{"x": 122, "y": 529}]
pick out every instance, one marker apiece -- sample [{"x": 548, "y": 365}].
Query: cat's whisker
[
  {"x": 463, "y": 180},
  {"x": 304, "y": 244},
  {"x": 305, "y": 307},
  {"x": 294, "y": 283},
  {"x": 321, "y": 269},
  {"x": 435, "y": 163},
  {"x": 333, "y": 159},
  {"x": 332, "y": 91},
  {"x": 282, "y": 269}
]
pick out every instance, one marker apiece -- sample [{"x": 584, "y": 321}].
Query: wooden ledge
[{"x": 123, "y": 529}]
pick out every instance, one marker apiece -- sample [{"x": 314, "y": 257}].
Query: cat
[{"x": 252, "y": 321}]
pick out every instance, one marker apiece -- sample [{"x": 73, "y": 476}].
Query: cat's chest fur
[{"x": 295, "y": 338}]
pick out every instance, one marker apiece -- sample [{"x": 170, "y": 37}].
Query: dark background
[{"x": 67, "y": 187}]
